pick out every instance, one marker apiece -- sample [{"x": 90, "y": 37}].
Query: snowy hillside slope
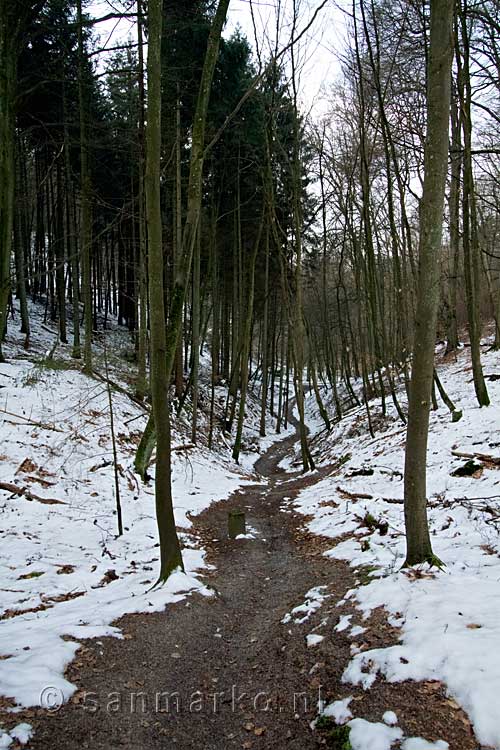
[
  {"x": 449, "y": 620},
  {"x": 65, "y": 574}
]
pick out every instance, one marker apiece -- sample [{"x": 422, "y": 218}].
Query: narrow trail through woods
[{"x": 224, "y": 671}]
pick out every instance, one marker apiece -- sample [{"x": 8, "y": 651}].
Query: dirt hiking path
[{"x": 224, "y": 671}]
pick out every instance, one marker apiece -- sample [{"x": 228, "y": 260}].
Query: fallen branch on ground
[
  {"x": 366, "y": 496},
  {"x": 41, "y": 481},
  {"x": 186, "y": 447},
  {"x": 354, "y": 495},
  {"x": 473, "y": 499},
  {"x": 481, "y": 506},
  {"x": 43, "y": 425},
  {"x": 25, "y": 492},
  {"x": 484, "y": 457}
]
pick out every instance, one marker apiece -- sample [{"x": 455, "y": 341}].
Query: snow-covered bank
[
  {"x": 449, "y": 620},
  {"x": 65, "y": 573}
]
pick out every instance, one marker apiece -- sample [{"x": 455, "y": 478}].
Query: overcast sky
[{"x": 316, "y": 54}]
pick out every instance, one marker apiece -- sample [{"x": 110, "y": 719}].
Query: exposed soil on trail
[{"x": 224, "y": 671}]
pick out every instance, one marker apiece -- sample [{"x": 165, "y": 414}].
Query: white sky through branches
[{"x": 316, "y": 54}]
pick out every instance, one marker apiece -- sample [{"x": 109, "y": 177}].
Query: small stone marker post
[{"x": 236, "y": 523}]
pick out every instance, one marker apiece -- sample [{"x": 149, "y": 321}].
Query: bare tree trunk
[
  {"x": 195, "y": 336},
  {"x": 142, "y": 347},
  {"x": 86, "y": 207},
  {"x": 71, "y": 244},
  {"x": 191, "y": 225},
  {"x": 246, "y": 339},
  {"x": 170, "y": 552},
  {"x": 472, "y": 264},
  {"x": 59, "y": 256},
  {"x": 178, "y": 379},
  {"x": 265, "y": 343},
  {"x": 454, "y": 208},
  {"x": 8, "y": 66},
  {"x": 21, "y": 244},
  {"x": 298, "y": 330},
  {"x": 418, "y": 543}
]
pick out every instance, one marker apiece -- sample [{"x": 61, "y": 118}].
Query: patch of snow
[
  {"x": 390, "y": 718},
  {"x": 339, "y": 710},
  {"x": 367, "y": 735},
  {"x": 251, "y": 533},
  {"x": 313, "y": 639},
  {"x": 314, "y": 598},
  {"x": 22, "y": 733},
  {"x": 356, "y": 630},
  {"x": 417, "y": 743},
  {"x": 450, "y": 620},
  {"x": 343, "y": 623},
  {"x": 64, "y": 570}
]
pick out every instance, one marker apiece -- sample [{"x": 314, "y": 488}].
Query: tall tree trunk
[
  {"x": 472, "y": 263},
  {"x": 85, "y": 198},
  {"x": 299, "y": 332},
  {"x": 195, "y": 336},
  {"x": 8, "y": 66},
  {"x": 454, "y": 209},
  {"x": 71, "y": 243},
  {"x": 215, "y": 343},
  {"x": 265, "y": 343},
  {"x": 170, "y": 552},
  {"x": 246, "y": 339},
  {"x": 418, "y": 543},
  {"x": 59, "y": 256},
  {"x": 183, "y": 268},
  {"x": 21, "y": 245},
  {"x": 141, "y": 385},
  {"x": 177, "y": 254}
]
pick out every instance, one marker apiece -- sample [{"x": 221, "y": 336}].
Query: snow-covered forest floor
[
  {"x": 448, "y": 620},
  {"x": 60, "y": 551},
  {"x": 66, "y": 575}
]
